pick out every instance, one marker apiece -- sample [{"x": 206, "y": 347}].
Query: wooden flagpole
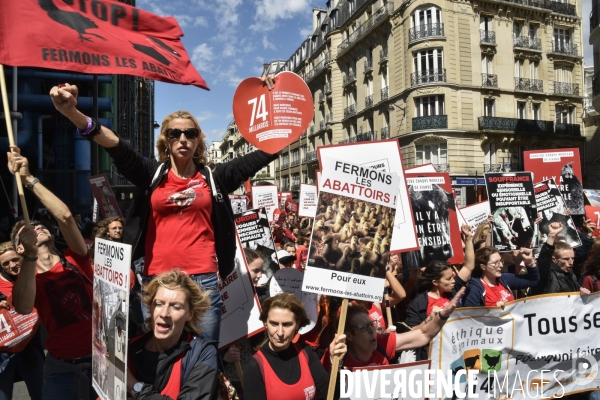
[
  {"x": 335, "y": 365},
  {"x": 11, "y": 139}
]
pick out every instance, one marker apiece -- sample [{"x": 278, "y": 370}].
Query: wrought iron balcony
[
  {"x": 596, "y": 84},
  {"x": 361, "y": 137},
  {"x": 529, "y": 85},
  {"x": 385, "y": 132},
  {"x": 349, "y": 78},
  {"x": 350, "y": 111},
  {"x": 285, "y": 165},
  {"x": 312, "y": 130},
  {"x": 516, "y": 125},
  {"x": 369, "y": 101},
  {"x": 489, "y": 80},
  {"x": 441, "y": 167},
  {"x": 321, "y": 98},
  {"x": 430, "y": 122},
  {"x": 566, "y": 88},
  {"x": 561, "y": 8},
  {"x": 525, "y": 42},
  {"x": 295, "y": 187},
  {"x": 487, "y": 37},
  {"x": 295, "y": 162},
  {"x": 385, "y": 93},
  {"x": 368, "y": 66},
  {"x": 321, "y": 125},
  {"x": 428, "y": 76},
  {"x": 569, "y": 49},
  {"x": 426, "y": 31},
  {"x": 594, "y": 18},
  {"x": 492, "y": 167},
  {"x": 571, "y": 130},
  {"x": 327, "y": 89},
  {"x": 383, "y": 55},
  {"x": 329, "y": 118},
  {"x": 311, "y": 156},
  {"x": 319, "y": 67},
  {"x": 366, "y": 26}
]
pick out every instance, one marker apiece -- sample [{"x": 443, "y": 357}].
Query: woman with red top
[
  {"x": 438, "y": 283},
  {"x": 366, "y": 347},
  {"x": 181, "y": 216},
  {"x": 490, "y": 287},
  {"x": 282, "y": 369}
]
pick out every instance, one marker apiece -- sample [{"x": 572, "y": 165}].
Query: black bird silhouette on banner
[
  {"x": 151, "y": 52},
  {"x": 164, "y": 46},
  {"x": 70, "y": 19}
]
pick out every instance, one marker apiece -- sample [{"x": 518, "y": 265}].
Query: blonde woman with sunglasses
[{"x": 181, "y": 215}]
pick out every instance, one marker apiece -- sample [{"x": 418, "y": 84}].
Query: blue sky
[{"x": 228, "y": 41}]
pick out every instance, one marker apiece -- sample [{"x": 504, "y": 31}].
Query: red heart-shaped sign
[{"x": 273, "y": 119}]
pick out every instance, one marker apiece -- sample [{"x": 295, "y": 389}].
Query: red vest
[{"x": 304, "y": 389}]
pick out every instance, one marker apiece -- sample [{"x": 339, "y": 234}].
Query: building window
[
  {"x": 485, "y": 23},
  {"x": 286, "y": 159},
  {"x": 295, "y": 155},
  {"x": 533, "y": 69},
  {"x": 431, "y": 105},
  {"x": 562, "y": 38},
  {"x": 536, "y": 109},
  {"x": 533, "y": 31},
  {"x": 435, "y": 153},
  {"x": 517, "y": 29},
  {"x": 518, "y": 68},
  {"x": 564, "y": 114},
  {"x": 489, "y": 109},
  {"x": 486, "y": 63},
  {"x": 521, "y": 110},
  {"x": 304, "y": 176},
  {"x": 428, "y": 60},
  {"x": 563, "y": 73}
]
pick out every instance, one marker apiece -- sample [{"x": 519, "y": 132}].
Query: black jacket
[
  {"x": 198, "y": 368},
  {"x": 552, "y": 278},
  {"x": 147, "y": 173}
]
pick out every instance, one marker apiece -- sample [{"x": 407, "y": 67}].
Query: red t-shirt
[
  {"x": 180, "y": 231},
  {"x": 386, "y": 341},
  {"x": 301, "y": 251},
  {"x": 441, "y": 302},
  {"x": 64, "y": 302},
  {"x": 5, "y": 287},
  {"x": 588, "y": 283},
  {"x": 376, "y": 315},
  {"x": 494, "y": 294}
]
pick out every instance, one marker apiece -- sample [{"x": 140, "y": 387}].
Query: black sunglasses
[
  {"x": 175, "y": 133},
  {"x": 363, "y": 327}
]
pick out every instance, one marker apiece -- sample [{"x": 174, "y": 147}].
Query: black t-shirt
[{"x": 287, "y": 367}]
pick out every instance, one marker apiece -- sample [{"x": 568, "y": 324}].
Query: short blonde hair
[
  {"x": 6, "y": 246},
  {"x": 197, "y": 299},
  {"x": 161, "y": 144}
]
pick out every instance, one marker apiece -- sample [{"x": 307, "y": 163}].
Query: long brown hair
[{"x": 161, "y": 144}]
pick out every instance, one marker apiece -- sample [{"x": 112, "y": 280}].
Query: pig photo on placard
[
  {"x": 551, "y": 207},
  {"x": 255, "y": 234},
  {"x": 238, "y": 203},
  {"x": 351, "y": 235},
  {"x": 512, "y": 204},
  {"x": 436, "y": 221}
]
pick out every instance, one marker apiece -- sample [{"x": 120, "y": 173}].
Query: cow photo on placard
[
  {"x": 436, "y": 222},
  {"x": 351, "y": 235}
]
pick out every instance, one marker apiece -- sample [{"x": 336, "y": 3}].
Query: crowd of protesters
[{"x": 181, "y": 229}]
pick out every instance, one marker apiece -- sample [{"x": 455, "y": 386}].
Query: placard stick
[
  {"x": 388, "y": 308},
  {"x": 240, "y": 371},
  {"x": 11, "y": 139},
  {"x": 335, "y": 365}
]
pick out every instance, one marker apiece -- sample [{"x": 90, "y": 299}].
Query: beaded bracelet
[{"x": 88, "y": 129}]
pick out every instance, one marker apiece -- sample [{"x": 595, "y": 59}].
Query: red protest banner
[
  {"x": 273, "y": 119},
  {"x": 562, "y": 165},
  {"x": 593, "y": 213},
  {"x": 16, "y": 330},
  {"x": 94, "y": 37}
]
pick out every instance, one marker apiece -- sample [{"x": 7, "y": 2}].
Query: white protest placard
[
  {"x": 308, "y": 201},
  {"x": 421, "y": 168},
  {"x": 383, "y": 155},
  {"x": 475, "y": 214},
  {"x": 337, "y": 265},
  {"x": 381, "y": 381},
  {"x": 289, "y": 280},
  {"x": 110, "y": 310},
  {"x": 539, "y": 347},
  {"x": 265, "y": 196},
  {"x": 241, "y": 308}
]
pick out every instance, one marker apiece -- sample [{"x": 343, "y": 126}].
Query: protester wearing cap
[
  {"x": 28, "y": 363},
  {"x": 60, "y": 287},
  {"x": 286, "y": 260},
  {"x": 181, "y": 215}
]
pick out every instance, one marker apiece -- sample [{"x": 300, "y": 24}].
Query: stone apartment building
[
  {"x": 592, "y": 120},
  {"x": 467, "y": 86}
]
